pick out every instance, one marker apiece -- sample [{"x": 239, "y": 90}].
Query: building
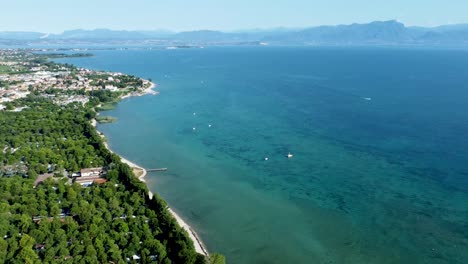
[
  {"x": 92, "y": 175},
  {"x": 92, "y": 172},
  {"x": 111, "y": 88}
]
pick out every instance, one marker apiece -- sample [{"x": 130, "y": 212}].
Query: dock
[{"x": 157, "y": 169}]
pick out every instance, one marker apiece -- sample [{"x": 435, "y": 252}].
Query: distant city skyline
[{"x": 53, "y": 16}]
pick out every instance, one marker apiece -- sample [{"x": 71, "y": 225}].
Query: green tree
[
  {"x": 55, "y": 210},
  {"x": 27, "y": 254},
  {"x": 101, "y": 251},
  {"x": 24, "y": 223},
  {"x": 3, "y": 250},
  {"x": 114, "y": 253},
  {"x": 91, "y": 254},
  {"x": 216, "y": 258}
]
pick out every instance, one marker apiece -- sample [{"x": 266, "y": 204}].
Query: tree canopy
[{"x": 60, "y": 222}]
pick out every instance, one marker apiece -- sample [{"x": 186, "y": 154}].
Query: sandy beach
[
  {"x": 141, "y": 172},
  {"x": 193, "y": 235}
]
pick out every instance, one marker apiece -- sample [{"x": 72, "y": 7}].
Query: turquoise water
[{"x": 380, "y": 166}]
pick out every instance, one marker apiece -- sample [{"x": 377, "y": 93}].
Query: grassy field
[{"x": 4, "y": 69}]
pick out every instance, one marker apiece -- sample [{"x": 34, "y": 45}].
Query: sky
[{"x": 55, "y": 16}]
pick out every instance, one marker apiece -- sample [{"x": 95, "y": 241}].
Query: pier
[{"x": 157, "y": 169}]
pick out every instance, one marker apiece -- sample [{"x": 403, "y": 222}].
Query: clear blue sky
[{"x": 58, "y": 15}]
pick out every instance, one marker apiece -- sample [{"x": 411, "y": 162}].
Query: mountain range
[{"x": 375, "y": 33}]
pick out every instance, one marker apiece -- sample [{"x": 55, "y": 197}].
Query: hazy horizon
[
  {"x": 169, "y": 31},
  {"x": 52, "y": 16}
]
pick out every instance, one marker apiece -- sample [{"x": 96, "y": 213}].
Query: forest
[
  {"x": 60, "y": 222},
  {"x": 46, "y": 136}
]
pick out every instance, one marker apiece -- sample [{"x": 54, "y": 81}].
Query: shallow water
[{"x": 379, "y": 173}]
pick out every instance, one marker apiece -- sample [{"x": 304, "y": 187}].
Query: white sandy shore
[
  {"x": 192, "y": 234},
  {"x": 197, "y": 243}
]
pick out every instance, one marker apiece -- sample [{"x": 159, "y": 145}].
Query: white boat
[{"x": 290, "y": 155}]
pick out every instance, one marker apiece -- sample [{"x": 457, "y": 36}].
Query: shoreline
[
  {"x": 197, "y": 242},
  {"x": 146, "y": 91}
]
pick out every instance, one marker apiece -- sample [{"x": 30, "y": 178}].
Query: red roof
[{"x": 100, "y": 181}]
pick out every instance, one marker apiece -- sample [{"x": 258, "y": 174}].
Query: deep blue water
[{"x": 379, "y": 137}]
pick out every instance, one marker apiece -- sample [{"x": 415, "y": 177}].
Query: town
[{"x": 24, "y": 72}]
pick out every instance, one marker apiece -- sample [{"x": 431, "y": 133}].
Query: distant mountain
[
  {"x": 450, "y": 28},
  {"x": 372, "y": 33},
  {"x": 202, "y": 36},
  {"x": 451, "y": 34},
  {"x": 13, "y": 35},
  {"x": 104, "y": 34},
  {"x": 375, "y": 33},
  {"x": 107, "y": 34},
  {"x": 209, "y": 36}
]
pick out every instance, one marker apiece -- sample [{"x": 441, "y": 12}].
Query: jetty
[{"x": 157, "y": 169}]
